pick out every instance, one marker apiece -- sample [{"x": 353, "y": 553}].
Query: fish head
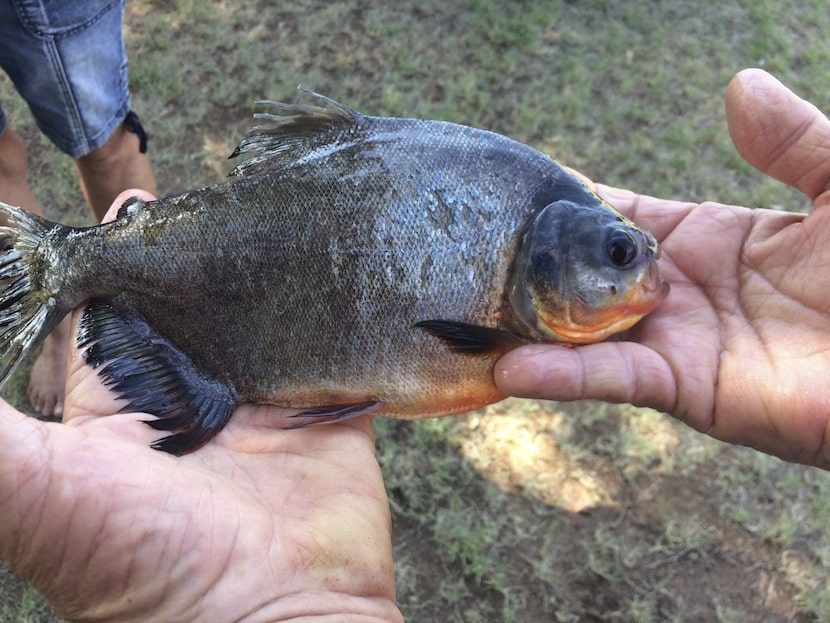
[{"x": 584, "y": 272}]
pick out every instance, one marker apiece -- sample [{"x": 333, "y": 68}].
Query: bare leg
[
  {"x": 14, "y": 173},
  {"x": 116, "y": 166},
  {"x": 48, "y": 376}
]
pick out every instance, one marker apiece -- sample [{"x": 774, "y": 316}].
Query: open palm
[
  {"x": 741, "y": 347},
  {"x": 261, "y": 524}
]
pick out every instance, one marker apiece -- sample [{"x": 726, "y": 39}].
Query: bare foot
[{"x": 48, "y": 376}]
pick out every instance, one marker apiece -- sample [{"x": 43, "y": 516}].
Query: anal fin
[
  {"x": 336, "y": 413},
  {"x": 141, "y": 366}
]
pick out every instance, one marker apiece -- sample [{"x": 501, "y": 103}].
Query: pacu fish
[{"x": 351, "y": 264}]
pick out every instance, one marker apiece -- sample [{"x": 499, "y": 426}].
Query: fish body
[{"x": 351, "y": 264}]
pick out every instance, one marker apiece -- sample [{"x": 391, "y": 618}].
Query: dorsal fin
[{"x": 290, "y": 131}]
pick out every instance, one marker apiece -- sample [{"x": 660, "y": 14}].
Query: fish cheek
[
  {"x": 538, "y": 271},
  {"x": 539, "y": 293}
]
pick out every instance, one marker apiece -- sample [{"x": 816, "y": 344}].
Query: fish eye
[{"x": 621, "y": 248}]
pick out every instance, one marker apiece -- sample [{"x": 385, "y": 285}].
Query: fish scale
[{"x": 350, "y": 264}]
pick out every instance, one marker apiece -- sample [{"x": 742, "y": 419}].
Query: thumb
[
  {"x": 779, "y": 133},
  {"x": 610, "y": 371},
  {"x": 123, "y": 197}
]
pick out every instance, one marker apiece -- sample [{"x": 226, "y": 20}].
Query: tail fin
[{"x": 28, "y": 309}]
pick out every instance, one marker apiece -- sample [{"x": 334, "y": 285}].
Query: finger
[
  {"x": 611, "y": 371},
  {"x": 122, "y": 197},
  {"x": 779, "y": 133},
  {"x": 659, "y": 216},
  {"x": 581, "y": 177}
]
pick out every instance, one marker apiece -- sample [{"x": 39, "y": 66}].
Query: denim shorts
[{"x": 66, "y": 58}]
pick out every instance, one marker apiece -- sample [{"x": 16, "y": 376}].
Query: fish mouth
[
  {"x": 643, "y": 300},
  {"x": 582, "y": 324},
  {"x": 653, "y": 284}
]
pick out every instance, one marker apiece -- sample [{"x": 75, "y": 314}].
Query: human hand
[
  {"x": 740, "y": 349},
  {"x": 259, "y": 525}
]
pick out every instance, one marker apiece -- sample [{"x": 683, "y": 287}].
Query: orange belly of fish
[
  {"x": 435, "y": 401},
  {"x": 445, "y": 401}
]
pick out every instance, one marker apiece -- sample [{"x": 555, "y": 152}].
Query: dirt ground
[{"x": 526, "y": 511}]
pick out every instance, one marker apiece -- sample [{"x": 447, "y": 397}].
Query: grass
[
  {"x": 527, "y": 511},
  {"x": 30, "y": 609}
]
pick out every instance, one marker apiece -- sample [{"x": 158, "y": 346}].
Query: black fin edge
[
  {"x": 471, "y": 339},
  {"x": 143, "y": 368}
]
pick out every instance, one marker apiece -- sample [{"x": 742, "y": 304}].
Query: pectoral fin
[
  {"x": 472, "y": 339},
  {"x": 142, "y": 367}
]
